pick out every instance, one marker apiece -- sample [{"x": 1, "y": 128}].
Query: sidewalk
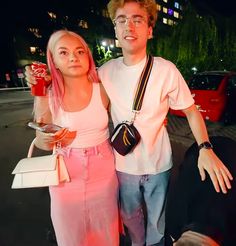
[
  {"x": 16, "y": 108},
  {"x": 7, "y": 96},
  {"x": 177, "y": 126},
  {"x": 25, "y": 213}
]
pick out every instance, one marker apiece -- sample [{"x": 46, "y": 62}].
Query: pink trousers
[{"x": 84, "y": 212}]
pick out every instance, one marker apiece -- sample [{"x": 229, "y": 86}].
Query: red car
[{"x": 214, "y": 93}]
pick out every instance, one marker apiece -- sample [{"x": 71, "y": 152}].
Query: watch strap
[{"x": 205, "y": 145}]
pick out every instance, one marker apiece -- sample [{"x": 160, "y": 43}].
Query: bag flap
[
  {"x": 39, "y": 163},
  {"x": 116, "y": 131},
  {"x": 121, "y": 127}
]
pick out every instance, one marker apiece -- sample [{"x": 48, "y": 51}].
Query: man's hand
[
  {"x": 207, "y": 159},
  {"x": 218, "y": 172}
]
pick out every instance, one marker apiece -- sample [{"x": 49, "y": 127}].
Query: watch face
[{"x": 206, "y": 145}]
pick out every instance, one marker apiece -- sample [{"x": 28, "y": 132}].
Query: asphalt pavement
[{"x": 25, "y": 214}]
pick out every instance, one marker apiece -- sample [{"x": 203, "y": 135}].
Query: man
[
  {"x": 144, "y": 173},
  {"x": 195, "y": 214}
]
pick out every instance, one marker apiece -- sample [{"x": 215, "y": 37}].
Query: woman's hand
[
  {"x": 46, "y": 141},
  {"x": 64, "y": 137},
  {"x": 30, "y": 79}
]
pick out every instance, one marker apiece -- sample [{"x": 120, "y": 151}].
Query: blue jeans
[{"x": 148, "y": 190}]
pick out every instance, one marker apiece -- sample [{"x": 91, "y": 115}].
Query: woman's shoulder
[{"x": 104, "y": 96}]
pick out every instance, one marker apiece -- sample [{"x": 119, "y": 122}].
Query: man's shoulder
[
  {"x": 160, "y": 61},
  {"x": 109, "y": 64}
]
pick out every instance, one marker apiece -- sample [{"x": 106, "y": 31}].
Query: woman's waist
[
  {"x": 86, "y": 150},
  {"x": 84, "y": 140}
]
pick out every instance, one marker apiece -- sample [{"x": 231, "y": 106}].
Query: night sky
[
  {"x": 16, "y": 14},
  {"x": 225, "y": 8},
  {"x": 28, "y": 7}
]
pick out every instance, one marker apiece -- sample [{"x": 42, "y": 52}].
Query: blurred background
[{"x": 196, "y": 35}]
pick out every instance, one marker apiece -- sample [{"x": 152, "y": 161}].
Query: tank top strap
[{"x": 96, "y": 96}]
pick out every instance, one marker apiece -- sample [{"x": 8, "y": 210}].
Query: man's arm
[{"x": 207, "y": 160}]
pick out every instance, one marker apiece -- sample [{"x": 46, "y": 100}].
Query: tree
[
  {"x": 227, "y": 50},
  {"x": 102, "y": 54},
  {"x": 193, "y": 42}
]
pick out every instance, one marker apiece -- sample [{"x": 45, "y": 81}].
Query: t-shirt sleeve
[{"x": 179, "y": 94}]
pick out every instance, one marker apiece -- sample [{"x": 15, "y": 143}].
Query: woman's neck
[
  {"x": 76, "y": 84},
  {"x": 78, "y": 93}
]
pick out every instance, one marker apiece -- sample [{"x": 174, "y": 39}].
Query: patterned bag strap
[{"x": 139, "y": 95}]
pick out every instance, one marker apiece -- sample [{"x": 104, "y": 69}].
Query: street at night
[
  {"x": 169, "y": 189},
  {"x": 25, "y": 215}
]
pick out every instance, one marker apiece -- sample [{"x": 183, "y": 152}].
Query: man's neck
[{"x": 133, "y": 59}]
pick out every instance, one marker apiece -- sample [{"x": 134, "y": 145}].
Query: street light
[
  {"x": 104, "y": 43},
  {"x": 194, "y": 69}
]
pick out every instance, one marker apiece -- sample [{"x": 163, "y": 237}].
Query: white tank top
[{"x": 91, "y": 123}]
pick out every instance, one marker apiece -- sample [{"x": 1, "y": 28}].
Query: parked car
[{"x": 214, "y": 93}]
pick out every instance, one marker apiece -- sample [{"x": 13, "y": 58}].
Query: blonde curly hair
[{"x": 149, "y": 5}]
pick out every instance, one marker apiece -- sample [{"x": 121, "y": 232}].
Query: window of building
[
  {"x": 83, "y": 24},
  {"x": 176, "y": 14},
  {"x": 170, "y": 11},
  {"x": 164, "y": 20},
  {"x": 35, "y": 31},
  {"x": 105, "y": 13},
  {"x": 176, "y": 5},
  {"x": 164, "y": 10},
  {"x": 52, "y": 15},
  {"x": 170, "y": 22},
  {"x": 158, "y": 7}
]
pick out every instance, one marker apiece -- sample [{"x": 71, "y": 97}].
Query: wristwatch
[{"x": 205, "y": 145}]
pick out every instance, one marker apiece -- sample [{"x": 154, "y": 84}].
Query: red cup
[{"x": 39, "y": 72}]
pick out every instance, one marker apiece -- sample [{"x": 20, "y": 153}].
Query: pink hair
[{"x": 57, "y": 89}]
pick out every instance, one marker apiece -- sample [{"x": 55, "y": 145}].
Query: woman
[{"x": 84, "y": 212}]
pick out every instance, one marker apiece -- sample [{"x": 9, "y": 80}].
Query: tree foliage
[
  {"x": 196, "y": 41},
  {"x": 102, "y": 54}
]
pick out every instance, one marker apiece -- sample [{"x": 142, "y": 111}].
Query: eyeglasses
[{"x": 121, "y": 21}]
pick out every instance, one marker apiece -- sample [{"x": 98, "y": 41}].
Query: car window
[
  {"x": 231, "y": 86},
  {"x": 232, "y": 82},
  {"x": 205, "y": 82}
]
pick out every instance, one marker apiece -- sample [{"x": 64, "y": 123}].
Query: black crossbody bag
[{"x": 125, "y": 136}]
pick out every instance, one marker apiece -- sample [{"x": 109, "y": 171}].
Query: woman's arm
[
  {"x": 41, "y": 110},
  {"x": 104, "y": 96}
]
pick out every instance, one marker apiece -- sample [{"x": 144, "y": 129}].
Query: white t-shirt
[{"x": 166, "y": 88}]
